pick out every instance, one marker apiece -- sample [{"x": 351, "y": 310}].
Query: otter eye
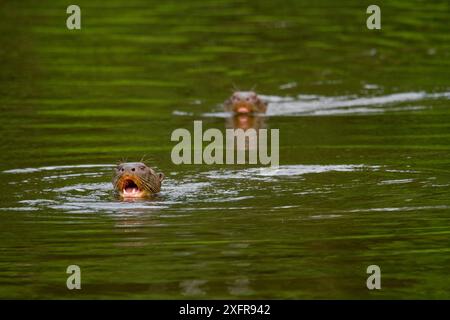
[
  {"x": 121, "y": 169},
  {"x": 142, "y": 167}
]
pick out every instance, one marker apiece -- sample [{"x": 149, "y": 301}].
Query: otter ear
[{"x": 161, "y": 176}]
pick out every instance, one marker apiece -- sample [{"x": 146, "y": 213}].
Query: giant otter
[
  {"x": 136, "y": 180},
  {"x": 245, "y": 102}
]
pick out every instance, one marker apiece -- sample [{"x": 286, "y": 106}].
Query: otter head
[
  {"x": 136, "y": 180},
  {"x": 245, "y": 102}
]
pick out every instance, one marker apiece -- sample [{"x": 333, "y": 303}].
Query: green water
[{"x": 364, "y": 173}]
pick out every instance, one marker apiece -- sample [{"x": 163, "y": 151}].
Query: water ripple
[{"x": 316, "y": 105}]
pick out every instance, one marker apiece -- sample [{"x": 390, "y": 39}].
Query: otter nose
[{"x": 129, "y": 169}]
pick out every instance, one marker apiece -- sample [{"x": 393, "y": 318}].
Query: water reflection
[
  {"x": 193, "y": 287},
  {"x": 246, "y": 121},
  {"x": 240, "y": 287},
  {"x": 130, "y": 219},
  {"x": 250, "y": 123}
]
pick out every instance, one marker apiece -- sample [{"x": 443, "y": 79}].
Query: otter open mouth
[
  {"x": 130, "y": 189},
  {"x": 243, "y": 110},
  {"x": 243, "y": 107}
]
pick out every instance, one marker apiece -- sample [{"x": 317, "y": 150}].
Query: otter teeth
[{"x": 130, "y": 190}]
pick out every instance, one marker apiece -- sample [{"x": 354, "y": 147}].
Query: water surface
[{"x": 364, "y": 173}]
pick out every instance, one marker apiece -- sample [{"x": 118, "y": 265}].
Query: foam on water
[
  {"x": 316, "y": 105},
  {"x": 395, "y": 209},
  {"x": 322, "y": 105},
  {"x": 284, "y": 171},
  {"x": 189, "y": 191},
  {"x": 64, "y": 191},
  {"x": 55, "y": 168}
]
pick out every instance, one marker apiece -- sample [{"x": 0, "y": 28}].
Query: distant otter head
[
  {"x": 136, "y": 180},
  {"x": 245, "y": 102}
]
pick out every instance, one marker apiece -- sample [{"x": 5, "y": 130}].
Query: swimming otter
[
  {"x": 136, "y": 180},
  {"x": 245, "y": 102}
]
